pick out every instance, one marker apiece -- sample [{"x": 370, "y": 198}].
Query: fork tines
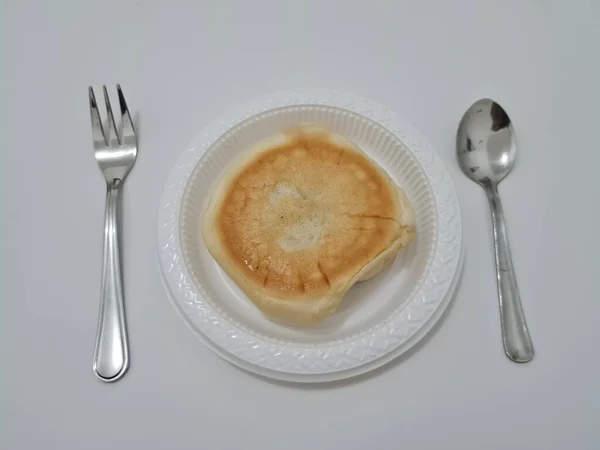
[{"x": 102, "y": 135}]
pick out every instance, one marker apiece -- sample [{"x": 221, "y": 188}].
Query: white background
[{"x": 182, "y": 64}]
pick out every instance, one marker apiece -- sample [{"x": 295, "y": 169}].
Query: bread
[{"x": 296, "y": 221}]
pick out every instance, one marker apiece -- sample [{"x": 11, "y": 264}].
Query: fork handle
[{"x": 111, "y": 355}]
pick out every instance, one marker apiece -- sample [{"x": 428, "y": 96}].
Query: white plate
[{"x": 380, "y": 318}]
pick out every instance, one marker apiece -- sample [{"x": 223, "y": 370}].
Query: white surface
[
  {"x": 180, "y": 66},
  {"x": 380, "y": 318}
]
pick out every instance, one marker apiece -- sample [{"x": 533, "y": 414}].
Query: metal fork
[{"x": 115, "y": 156}]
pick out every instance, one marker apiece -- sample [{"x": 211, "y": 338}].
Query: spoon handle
[{"x": 515, "y": 335}]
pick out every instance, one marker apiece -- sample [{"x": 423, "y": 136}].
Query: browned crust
[{"x": 353, "y": 244}]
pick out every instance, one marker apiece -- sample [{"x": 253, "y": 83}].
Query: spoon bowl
[{"x": 486, "y": 143}]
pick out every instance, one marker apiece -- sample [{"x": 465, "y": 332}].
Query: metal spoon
[{"x": 486, "y": 149}]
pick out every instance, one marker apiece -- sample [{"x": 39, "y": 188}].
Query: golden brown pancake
[{"x": 296, "y": 221}]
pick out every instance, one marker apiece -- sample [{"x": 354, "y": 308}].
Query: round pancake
[{"x": 299, "y": 219}]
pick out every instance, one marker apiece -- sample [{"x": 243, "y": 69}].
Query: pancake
[{"x": 299, "y": 219}]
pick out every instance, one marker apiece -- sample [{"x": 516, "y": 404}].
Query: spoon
[{"x": 486, "y": 150}]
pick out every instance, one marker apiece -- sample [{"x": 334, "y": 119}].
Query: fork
[{"x": 115, "y": 156}]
